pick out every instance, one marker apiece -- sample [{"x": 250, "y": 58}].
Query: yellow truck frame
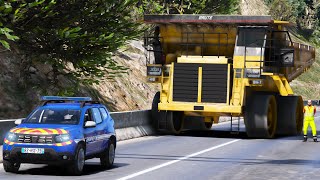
[{"x": 239, "y": 66}]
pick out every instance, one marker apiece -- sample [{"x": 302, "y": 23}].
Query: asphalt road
[{"x": 215, "y": 154}]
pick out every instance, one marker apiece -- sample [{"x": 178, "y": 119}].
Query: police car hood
[{"x": 44, "y": 129}]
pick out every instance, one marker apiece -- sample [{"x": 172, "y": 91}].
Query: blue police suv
[{"x": 62, "y": 130}]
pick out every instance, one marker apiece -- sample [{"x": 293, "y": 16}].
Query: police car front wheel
[
  {"x": 107, "y": 158},
  {"x": 79, "y": 160}
]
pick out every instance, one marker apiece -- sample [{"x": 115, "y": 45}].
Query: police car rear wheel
[
  {"x": 11, "y": 166},
  {"x": 78, "y": 163},
  {"x": 108, "y": 156}
]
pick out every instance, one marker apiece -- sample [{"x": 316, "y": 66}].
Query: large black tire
[
  {"x": 156, "y": 115},
  {"x": 261, "y": 116},
  {"x": 290, "y": 115},
  {"x": 9, "y": 166},
  {"x": 77, "y": 165},
  {"x": 107, "y": 157},
  {"x": 175, "y": 121},
  {"x": 166, "y": 122}
]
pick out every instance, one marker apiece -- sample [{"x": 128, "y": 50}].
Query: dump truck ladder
[{"x": 235, "y": 125}]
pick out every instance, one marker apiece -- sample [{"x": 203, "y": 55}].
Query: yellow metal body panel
[
  {"x": 228, "y": 83},
  {"x": 282, "y": 85},
  {"x": 172, "y": 38},
  {"x": 199, "y": 84},
  {"x": 238, "y": 61},
  {"x": 203, "y": 60},
  {"x": 208, "y": 107}
]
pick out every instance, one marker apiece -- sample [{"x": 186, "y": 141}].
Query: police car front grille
[{"x": 30, "y": 138}]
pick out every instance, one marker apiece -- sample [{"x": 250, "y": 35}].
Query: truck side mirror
[{"x": 287, "y": 57}]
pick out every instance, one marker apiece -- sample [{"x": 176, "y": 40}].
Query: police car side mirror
[
  {"x": 89, "y": 124},
  {"x": 18, "y": 121}
]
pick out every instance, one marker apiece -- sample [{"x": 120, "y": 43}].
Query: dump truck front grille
[{"x": 214, "y": 82}]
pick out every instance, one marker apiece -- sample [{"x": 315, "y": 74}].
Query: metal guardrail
[{"x": 314, "y": 102}]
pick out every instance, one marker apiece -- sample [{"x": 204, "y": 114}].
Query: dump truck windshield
[{"x": 253, "y": 37}]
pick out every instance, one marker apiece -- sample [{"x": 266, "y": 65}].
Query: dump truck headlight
[
  {"x": 252, "y": 73},
  {"x": 154, "y": 70}
]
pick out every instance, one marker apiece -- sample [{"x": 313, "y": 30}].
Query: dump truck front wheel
[
  {"x": 167, "y": 122},
  {"x": 261, "y": 116},
  {"x": 290, "y": 115}
]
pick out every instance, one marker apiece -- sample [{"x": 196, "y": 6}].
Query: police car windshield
[{"x": 54, "y": 116}]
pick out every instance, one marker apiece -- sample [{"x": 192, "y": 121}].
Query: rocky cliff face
[
  {"x": 23, "y": 81},
  {"x": 253, "y": 7}
]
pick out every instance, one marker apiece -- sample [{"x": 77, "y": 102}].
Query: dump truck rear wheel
[
  {"x": 261, "y": 116},
  {"x": 290, "y": 115}
]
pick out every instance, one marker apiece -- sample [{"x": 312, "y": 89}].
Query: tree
[
  {"x": 81, "y": 33},
  {"x": 189, "y": 6},
  {"x": 281, "y": 10}
]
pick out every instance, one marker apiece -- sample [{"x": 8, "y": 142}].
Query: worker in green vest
[{"x": 309, "y": 112}]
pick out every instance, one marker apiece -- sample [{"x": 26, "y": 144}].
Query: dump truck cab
[{"x": 211, "y": 66}]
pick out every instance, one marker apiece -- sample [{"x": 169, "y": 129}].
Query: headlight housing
[
  {"x": 62, "y": 138},
  {"x": 166, "y": 70},
  {"x": 12, "y": 137},
  {"x": 252, "y": 73}
]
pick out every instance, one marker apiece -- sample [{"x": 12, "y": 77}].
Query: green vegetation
[
  {"x": 78, "y": 37},
  {"x": 79, "y": 33},
  {"x": 306, "y": 14},
  {"x": 189, "y": 6}
]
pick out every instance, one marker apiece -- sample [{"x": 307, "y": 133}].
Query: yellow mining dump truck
[{"x": 238, "y": 66}]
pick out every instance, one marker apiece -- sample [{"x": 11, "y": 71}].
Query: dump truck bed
[
  {"x": 214, "y": 19},
  {"x": 215, "y": 35}
]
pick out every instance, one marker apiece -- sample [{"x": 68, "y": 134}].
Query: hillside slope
[
  {"x": 23, "y": 81},
  {"x": 253, "y": 7}
]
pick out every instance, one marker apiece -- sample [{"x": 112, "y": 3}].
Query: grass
[{"x": 308, "y": 84}]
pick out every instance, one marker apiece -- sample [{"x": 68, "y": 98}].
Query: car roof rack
[
  {"x": 59, "y": 99},
  {"x": 89, "y": 102}
]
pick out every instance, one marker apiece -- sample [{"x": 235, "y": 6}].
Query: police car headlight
[
  {"x": 11, "y": 137},
  {"x": 62, "y": 138}
]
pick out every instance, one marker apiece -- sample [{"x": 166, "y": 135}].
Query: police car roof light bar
[{"x": 60, "y": 98}]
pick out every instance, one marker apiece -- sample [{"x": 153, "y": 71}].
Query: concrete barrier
[{"x": 132, "y": 124}]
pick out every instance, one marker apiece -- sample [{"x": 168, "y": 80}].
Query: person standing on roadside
[{"x": 309, "y": 112}]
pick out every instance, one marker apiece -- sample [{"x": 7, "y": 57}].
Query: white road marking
[{"x": 177, "y": 160}]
